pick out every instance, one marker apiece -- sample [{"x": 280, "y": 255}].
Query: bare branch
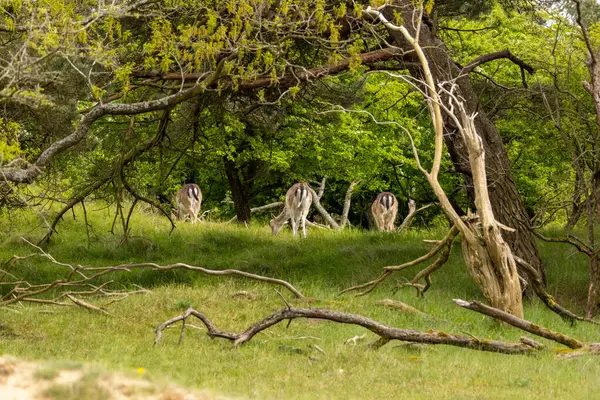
[
  {"x": 347, "y": 201},
  {"x": 520, "y": 323},
  {"x": 412, "y": 212},
  {"x": 317, "y": 204},
  {"x": 495, "y": 56},
  {"x": 536, "y": 282},
  {"x": 445, "y": 242},
  {"x": 385, "y": 332}
]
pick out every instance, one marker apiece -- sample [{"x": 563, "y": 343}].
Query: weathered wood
[
  {"x": 520, "y": 323},
  {"x": 398, "y": 305},
  {"x": 386, "y": 333},
  {"x": 487, "y": 255}
]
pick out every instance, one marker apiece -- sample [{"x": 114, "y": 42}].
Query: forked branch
[
  {"x": 444, "y": 244},
  {"x": 520, "y": 323},
  {"x": 538, "y": 287}
]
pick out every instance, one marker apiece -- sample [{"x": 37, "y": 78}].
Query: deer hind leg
[
  {"x": 304, "y": 226},
  {"x": 380, "y": 223},
  {"x": 194, "y": 215},
  {"x": 303, "y": 217},
  {"x": 294, "y": 225}
]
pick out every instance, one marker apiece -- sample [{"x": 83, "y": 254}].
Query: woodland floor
[{"x": 309, "y": 359}]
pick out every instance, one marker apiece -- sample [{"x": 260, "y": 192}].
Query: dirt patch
[{"x": 56, "y": 380}]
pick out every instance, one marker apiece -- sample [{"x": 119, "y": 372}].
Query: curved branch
[
  {"x": 547, "y": 299},
  {"x": 77, "y": 199},
  {"x": 32, "y": 171},
  {"x": 128, "y": 267},
  {"x": 347, "y": 201},
  {"x": 445, "y": 244},
  {"x": 317, "y": 203},
  {"x": 495, "y": 56},
  {"x": 386, "y": 333}
]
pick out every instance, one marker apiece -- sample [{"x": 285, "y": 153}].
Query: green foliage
[
  {"x": 542, "y": 124},
  {"x": 9, "y": 141}
]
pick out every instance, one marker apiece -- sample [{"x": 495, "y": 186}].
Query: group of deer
[{"x": 298, "y": 200}]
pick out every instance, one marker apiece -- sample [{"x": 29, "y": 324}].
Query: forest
[{"x": 299, "y": 199}]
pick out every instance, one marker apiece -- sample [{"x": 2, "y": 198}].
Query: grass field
[{"x": 283, "y": 363}]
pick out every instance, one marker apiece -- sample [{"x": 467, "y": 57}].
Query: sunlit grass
[{"x": 281, "y": 363}]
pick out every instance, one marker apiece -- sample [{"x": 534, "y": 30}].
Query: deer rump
[
  {"x": 384, "y": 210},
  {"x": 301, "y": 195},
  {"x": 189, "y": 199}
]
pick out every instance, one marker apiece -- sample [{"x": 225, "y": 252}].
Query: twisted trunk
[{"x": 505, "y": 199}]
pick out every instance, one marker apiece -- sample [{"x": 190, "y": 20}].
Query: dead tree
[
  {"x": 326, "y": 216},
  {"x": 487, "y": 255},
  {"x": 506, "y": 201}
]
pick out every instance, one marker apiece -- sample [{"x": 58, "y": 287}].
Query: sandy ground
[{"x": 23, "y": 380}]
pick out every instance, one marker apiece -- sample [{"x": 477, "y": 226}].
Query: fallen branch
[
  {"x": 538, "y": 287},
  {"x": 520, "y": 323},
  {"x": 82, "y": 281},
  {"x": 398, "y": 305},
  {"x": 384, "y": 332},
  {"x": 577, "y": 348}
]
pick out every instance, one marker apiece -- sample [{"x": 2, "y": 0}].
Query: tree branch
[
  {"x": 442, "y": 244},
  {"x": 385, "y": 332},
  {"x": 347, "y": 201},
  {"x": 495, "y": 56},
  {"x": 520, "y": 323},
  {"x": 28, "y": 174}
]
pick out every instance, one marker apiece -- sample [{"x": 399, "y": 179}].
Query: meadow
[{"x": 308, "y": 359}]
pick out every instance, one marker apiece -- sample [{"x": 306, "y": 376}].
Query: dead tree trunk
[
  {"x": 487, "y": 255},
  {"x": 505, "y": 200}
]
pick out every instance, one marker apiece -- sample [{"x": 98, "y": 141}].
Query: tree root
[{"x": 385, "y": 333}]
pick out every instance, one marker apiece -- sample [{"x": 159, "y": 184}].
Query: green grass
[{"x": 281, "y": 363}]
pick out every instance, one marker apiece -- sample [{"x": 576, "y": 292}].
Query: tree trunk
[
  {"x": 507, "y": 204},
  {"x": 592, "y": 207},
  {"x": 241, "y": 200}
]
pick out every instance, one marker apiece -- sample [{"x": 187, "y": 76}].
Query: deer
[
  {"x": 384, "y": 210},
  {"x": 189, "y": 199},
  {"x": 297, "y": 204}
]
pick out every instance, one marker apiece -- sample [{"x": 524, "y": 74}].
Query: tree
[
  {"x": 506, "y": 201},
  {"x": 152, "y": 56}
]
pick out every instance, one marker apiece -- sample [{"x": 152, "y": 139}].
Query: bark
[
  {"x": 488, "y": 257},
  {"x": 241, "y": 200},
  {"x": 592, "y": 296},
  {"x": 347, "y": 202},
  {"x": 506, "y": 202},
  {"x": 592, "y": 202},
  {"x": 521, "y": 323},
  {"x": 386, "y": 333}
]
